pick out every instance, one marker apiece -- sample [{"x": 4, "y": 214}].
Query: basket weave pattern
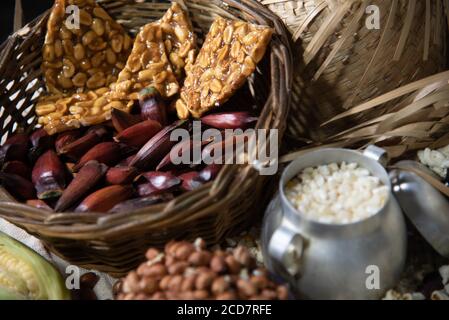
[
  {"x": 344, "y": 64},
  {"x": 116, "y": 243}
]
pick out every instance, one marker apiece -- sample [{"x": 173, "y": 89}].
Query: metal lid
[{"x": 424, "y": 205}]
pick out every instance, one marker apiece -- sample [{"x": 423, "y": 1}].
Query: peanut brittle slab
[
  {"x": 228, "y": 57},
  {"x": 148, "y": 65},
  {"x": 86, "y": 56},
  {"x": 58, "y": 114}
]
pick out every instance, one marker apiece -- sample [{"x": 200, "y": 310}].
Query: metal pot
[{"x": 361, "y": 260}]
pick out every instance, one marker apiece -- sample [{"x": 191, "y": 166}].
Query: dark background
[{"x": 31, "y": 9}]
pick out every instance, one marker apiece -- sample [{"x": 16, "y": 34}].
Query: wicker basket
[
  {"x": 116, "y": 243},
  {"x": 345, "y": 64}
]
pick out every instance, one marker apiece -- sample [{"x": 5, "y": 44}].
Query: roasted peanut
[
  {"x": 246, "y": 288},
  {"x": 85, "y": 17},
  {"x": 98, "y": 59},
  {"x": 204, "y": 280},
  {"x": 282, "y": 293},
  {"x": 78, "y": 52},
  {"x": 200, "y": 258},
  {"x": 187, "y": 281},
  {"x": 64, "y": 33},
  {"x": 220, "y": 285},
  {"x": 49, "y": 52},
  {"x": 100, "y": 13},
  {"x": 269, "y": 294},
  {"x": 52, "y": 65},
  {"x": 218, "y": 264},
  {"x": 227, "y": 296},
  {"x": 165, "y": 281},
  {"x": 146, "y": 75},
  {"x": 79, "y": 80},
  {"x": 148, "y": 285},
  {"x": 98, "y": 26},
  {"x": 184, "y": 251},
  {"x": 233, "y": 265},
  {"x": 175, "y": 283},
  {"x": 68, "y": 68},
  {"x": 200, "y": 294},
  {"x": 152, "y": 254},
  {"x": 117, "y": 43},
  {"x": 97, "y": 45},
  {"x": 158, "y": 270},
  {"x": 88, "y": 37},
  {"x": 177, "y": 268},
  {"x": 131, "y": 283},
  {"x": 127, "y": 42},
  {"x": 64, "y": 82},
  {"x": 200, "y": 244},
  {"x": 45, "y": 108},
  {"x": 188, "y": 284},
  {"x": 259, "y": 281},
  {"x": 242, "y": 255},
  {"x": 111, "y": 57},
  {"x": 96, "y": 81}
]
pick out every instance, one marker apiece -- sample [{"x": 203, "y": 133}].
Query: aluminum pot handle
[
  {"x": 287, "y": 247},
  {"x": 378, "y": 154}
]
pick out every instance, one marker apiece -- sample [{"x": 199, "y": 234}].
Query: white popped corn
[
  {"x": 337, "y": 194},
  {"x": 436, "y": 160}
]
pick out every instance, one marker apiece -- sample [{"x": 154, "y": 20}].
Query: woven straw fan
[{"x": 345, "y": 64}]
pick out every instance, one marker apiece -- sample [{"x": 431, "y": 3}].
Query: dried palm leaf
[
  {"x": 420, "y": 119},
  {"x": 344, "y": 63}
]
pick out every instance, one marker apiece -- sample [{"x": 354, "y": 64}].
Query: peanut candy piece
[
  {"x": 84, "y": 58},
  {"x": 228, "y": 57},
  {"x": 179, "y": 39},
  {"x": 81, "y": 109},
  {"x": 148, "y": 65},
  {"x": 53, "y": 114}
]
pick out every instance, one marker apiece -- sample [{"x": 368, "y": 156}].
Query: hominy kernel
[{"x": 337, "y": 194}]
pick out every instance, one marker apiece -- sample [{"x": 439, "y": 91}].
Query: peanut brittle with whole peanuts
[
  {"x": 58, "y": 114},
  {"x": 82, "y": 56},
  {"x": 228, "y": 57},
  {"x": 148, "y": 65},
  {"x": 161, "y": 52},
  {"x": 179, "y": 39}
]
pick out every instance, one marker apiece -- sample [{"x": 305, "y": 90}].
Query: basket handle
[{"x": 18, "y": 15}]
